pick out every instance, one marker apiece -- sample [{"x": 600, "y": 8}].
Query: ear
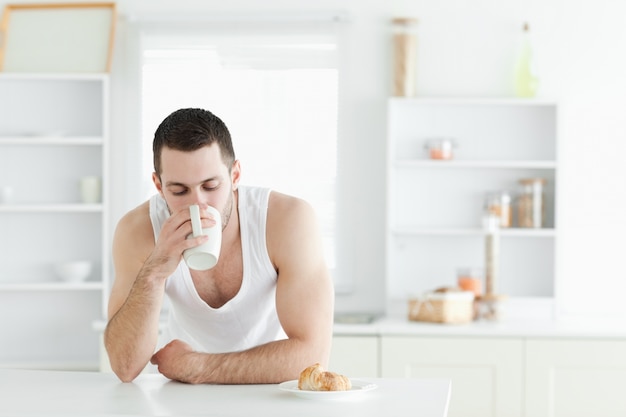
[
  {"x": 235, "y": 174},
  {"x": 157, "y": 183}
]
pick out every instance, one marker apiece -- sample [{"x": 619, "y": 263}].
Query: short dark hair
[{"x": 191, "y": 129}]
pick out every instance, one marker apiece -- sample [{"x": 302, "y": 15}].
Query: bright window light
[{"x": 278, "y": 96}]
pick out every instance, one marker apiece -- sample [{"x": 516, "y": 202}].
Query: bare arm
[
  {"x": 304, "y": 302},
  {"x": 141, "y": 269}
]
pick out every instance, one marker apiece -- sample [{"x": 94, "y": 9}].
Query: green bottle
[{"x": 526, "y": 81}]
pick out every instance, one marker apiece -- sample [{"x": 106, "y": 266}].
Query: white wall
[
  {"x": 465, "y": 49},
  {"x": 468, "y": 49}
]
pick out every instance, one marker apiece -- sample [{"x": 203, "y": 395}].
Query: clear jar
[
  {"x": 499, "y": 204},
  {"x": 492, "y": 307},
  {"x": 531, "y": 208},
  {"x": 440, "y": 148},
  {"x": 404, "y": 55},
  {"x": 470, "y": 279}
]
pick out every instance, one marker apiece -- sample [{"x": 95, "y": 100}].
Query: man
[{"x": 261, "y": 315}]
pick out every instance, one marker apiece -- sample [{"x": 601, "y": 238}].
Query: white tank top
[{"x": 249, "y": 318}]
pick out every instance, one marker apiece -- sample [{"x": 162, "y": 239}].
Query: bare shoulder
[
  {"x": 292, "y": 230},
  {"x": 288, "y": 211},
  {"x": 134, "y": 231}
]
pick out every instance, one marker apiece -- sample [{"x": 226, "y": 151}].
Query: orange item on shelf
[
  {"x": 440, "y": 154},
  {"x": 470, "y": 284},
  {"x": 440, "y": 149},
  {"x": 470, "y": 279}
]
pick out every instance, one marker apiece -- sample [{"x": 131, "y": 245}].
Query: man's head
[
  {"x": 194, "y": 162},
  {"x": 189, "y": 130}
]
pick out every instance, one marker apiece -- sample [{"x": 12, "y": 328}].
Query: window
[{"x": 276, "y": 90}]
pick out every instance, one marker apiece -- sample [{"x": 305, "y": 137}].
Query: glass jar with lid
[
  {"x": 499, "y": 204},
  {"x": 531, "y": 208},
  {"x": 440, "y": 148},
  {"x": 404, "y": 51},
  {"x": 470, "y": 279}
]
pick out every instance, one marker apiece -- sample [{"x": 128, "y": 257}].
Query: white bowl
[{"x": 73, "y": 271}]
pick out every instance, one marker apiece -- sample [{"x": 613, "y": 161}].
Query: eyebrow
[{"x": 180, "y": 184}]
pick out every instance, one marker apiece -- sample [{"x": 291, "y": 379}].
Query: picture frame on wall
[{"x": 57, "y": 38}]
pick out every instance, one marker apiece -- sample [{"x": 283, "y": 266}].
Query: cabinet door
[
  {"x": 575, "y": 378},
  {"x": 486, "y": 373},
  {"x": 355, "y": 356}
]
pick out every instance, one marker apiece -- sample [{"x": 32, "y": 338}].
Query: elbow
[
  {"x": 126, "y": 377},
  {"x": 121, "y": 365},
  {"x": 124, "y": 373}
]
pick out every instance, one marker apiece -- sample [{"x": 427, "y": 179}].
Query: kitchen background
[{"x": 465, "y": 49}]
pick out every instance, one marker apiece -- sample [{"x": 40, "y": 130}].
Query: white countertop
[
  {"x": 523, "y": 318},
  {"x": 56, "y": 393},
  {"x": 524, "y": 328},
  {"x": 506, "y": 328}
]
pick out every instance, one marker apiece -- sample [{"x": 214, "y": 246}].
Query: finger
[{"x": 207, "y": 218}]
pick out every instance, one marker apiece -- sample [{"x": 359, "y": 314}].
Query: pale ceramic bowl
[{"x": 73, "y": 271}]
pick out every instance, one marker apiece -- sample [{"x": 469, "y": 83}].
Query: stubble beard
[{"x": 228, "y": 210}]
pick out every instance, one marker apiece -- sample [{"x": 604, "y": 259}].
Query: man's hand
[
  {"x": 178, "y": 361},
  {"x": 172, "y": 242}
]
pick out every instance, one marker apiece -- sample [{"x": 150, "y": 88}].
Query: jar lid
[
  {"x": 442, "y": 141},
  {"x": 500, "y": 195},
  {"x": 405, "y": 21},
  {"x": 493, "y": 297},
  {"x": 532, "y": 180},
  {"x": 470, "y": 272}
]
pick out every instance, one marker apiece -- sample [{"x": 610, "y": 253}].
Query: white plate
[{"x": 358, "y": 387}]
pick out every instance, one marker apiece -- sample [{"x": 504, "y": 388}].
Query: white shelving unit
[
  {"x": 435, "y": 207},
  {"x": 54, "y": 130}
]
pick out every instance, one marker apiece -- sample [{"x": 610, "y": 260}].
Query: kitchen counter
[
  {"x": 506, "y": 328},
  {"x": 397, "y": 324},
  {"x": 55, "y": 393}
]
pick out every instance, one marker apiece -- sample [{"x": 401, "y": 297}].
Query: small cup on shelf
[
  {"x": 90, "y": 189},
  {"x": 470, "y": 279},
  {"x": 440, "y": 148}
]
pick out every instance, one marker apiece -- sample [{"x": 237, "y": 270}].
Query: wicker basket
[{"x": 451, "y": 308}]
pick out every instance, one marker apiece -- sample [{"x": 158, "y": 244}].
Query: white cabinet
[
  {"x": 575, "y": 378},
  {"x": 355, "y": 356},
  {"x": 486, "y": 373},
  {"x": 53, "y": 131},
  {"x": 435, "y": 207}
]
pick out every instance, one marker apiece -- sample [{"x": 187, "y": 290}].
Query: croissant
[{"x": 314, "y": 378}]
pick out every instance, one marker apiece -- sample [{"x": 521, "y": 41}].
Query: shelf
[
  {"x": 52, "y": 365},
  {"x": 53, "y": 286},
  {"x": 73, "y": 76},
  {"x": 54, "y": 131},
  {"x": 50, "y": 140},
  {"x": 51, "y": 208},
  {"x": 434, "y": 206},
  {"x": 491, "y": 101},
  {"x": 451, "y": 164},
  {"x": 509, "y": 232}
]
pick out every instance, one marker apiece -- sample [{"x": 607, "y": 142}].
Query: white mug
[
  {"x": 205, "y": 256},
  {"x": 90, "y": 190}
]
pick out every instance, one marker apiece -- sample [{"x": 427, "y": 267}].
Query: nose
[{"x": 196, "y": 197}]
